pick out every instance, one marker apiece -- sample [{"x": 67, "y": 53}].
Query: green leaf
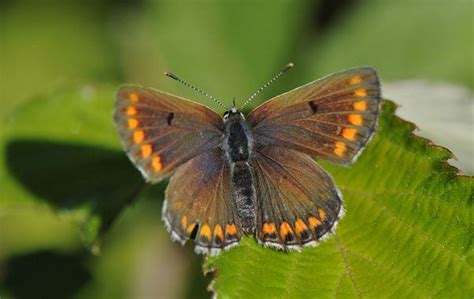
[
  {"x": 74, "y": 126},
  {"x": 62, "y": 150},
  {"x": 407, "y": 223},
  {"x": 406, "y": 232}
]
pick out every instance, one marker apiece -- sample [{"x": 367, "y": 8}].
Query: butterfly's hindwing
[
  {"x": 298, "y": 201},
  {"x": 199, "y": 204},
  {"x": 332, "y": 118}
]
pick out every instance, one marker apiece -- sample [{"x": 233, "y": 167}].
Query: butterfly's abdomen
[
  {"x": 238, "y": 148},
  {"x": 244, "y": 194}
]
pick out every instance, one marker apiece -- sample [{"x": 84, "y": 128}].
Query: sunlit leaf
[{"x": 406, "y": 233}]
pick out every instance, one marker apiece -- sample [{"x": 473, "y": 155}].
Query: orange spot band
[
  {"x": 313, "y": 222},
  {"x": 269, "y": 228},
  {"x": 322, "y": 214},
  {"x": 340, "y": 148},
  {"x": 230, "y": 229},
  {"x": 138, "y": 136},
  {"x": 360, "y": 92},
  {"x": 205, "y": 231},
  {"x": 146, "y": 150},
  {"x": 133, "y": 97},
  {"x": 355, "y": 119},
  {"x": 355, "y": 80},
  {"x": 190, "y": 228},
  {"x": 184, "y": 222},
  {"x": 349, "y": 133},
  {"x": 300, "y": 226},
  {"x": 131, "y": 111},
  {"x": 132, "y": 123},
  {"x": 360, "y": 105},
  {"x": 218, "y": 232},
  {"x": 285, "y": 229},
  {"x": 156, "y": 163}
]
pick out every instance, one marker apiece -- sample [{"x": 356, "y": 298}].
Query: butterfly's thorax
[{"x": 238, "y": 148}]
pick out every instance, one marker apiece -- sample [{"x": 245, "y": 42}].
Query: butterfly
[{"x": 254, "y": 175}]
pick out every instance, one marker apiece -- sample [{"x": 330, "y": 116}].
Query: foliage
[
  {"x": 406, "y": 232},
  {"x": 64, "y": 179}
]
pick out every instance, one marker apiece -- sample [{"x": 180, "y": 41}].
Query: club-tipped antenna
[
  {"x": 173, "y": 76},
  {"x": 284, "y": 70}
]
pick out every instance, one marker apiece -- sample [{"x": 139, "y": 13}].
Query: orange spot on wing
[
  {"x": 360, "y": 92},
  {"x": 184, "y": 222},
  {"x": 313, "y": 222},
  {"x": 138, "y": 136},
  {"x": 340, "y": 148},
  {"x": 156, "y": 163},
  {"x": 146, "y": 150},
  {"x": 205, "y": 231},
  {"x": 191, "y": 228},
  {"x": 300, "y": 226},
  {"x": 356, "y": 80},
  {"x": 230, "y": 229},
  {"x": 285, "y": 229},
  {"x": 355, "y": 119},
  {"x": 218, "y": 232},
  {"x": 131, "y": 111},
  {"x": 132, "y": 123},
  {"x": 133, "y": 97},
  {"x": 322, "y": 214},
  {"x": 349, "y": 133},
  {"x": 269, "y": 228},
  {"x": 360, "y": 105}
]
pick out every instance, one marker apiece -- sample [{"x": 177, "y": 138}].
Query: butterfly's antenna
[
  {"x": 284, "y": 70},
  {"x": 173, "y": 76}
]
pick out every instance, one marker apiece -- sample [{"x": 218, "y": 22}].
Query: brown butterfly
[{"x": 232, "y": 176}]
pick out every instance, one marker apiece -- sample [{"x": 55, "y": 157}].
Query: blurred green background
[{"x": 227, "y": 48}]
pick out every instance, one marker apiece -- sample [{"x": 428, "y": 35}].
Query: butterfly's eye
[{"x": 226, "y": 115}]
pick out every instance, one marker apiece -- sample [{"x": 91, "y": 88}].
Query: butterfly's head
[{"x": 233, "y": 115}]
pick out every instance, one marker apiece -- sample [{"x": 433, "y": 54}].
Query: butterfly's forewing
[
  {"x": 160, "y": 131},
  {"x": 298, "y": 201},
  {"x": 199, "y": 204},
  {"x": 332, "y": 118}
]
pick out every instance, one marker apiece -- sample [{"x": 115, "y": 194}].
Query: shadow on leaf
[
  {"x": 72, "y": 176},
  {"x": 45, "y": 274}
]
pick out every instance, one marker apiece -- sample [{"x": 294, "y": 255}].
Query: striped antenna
[
  {"x": 173, "y": 76},
  {"x": 284, "y": 70}
]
